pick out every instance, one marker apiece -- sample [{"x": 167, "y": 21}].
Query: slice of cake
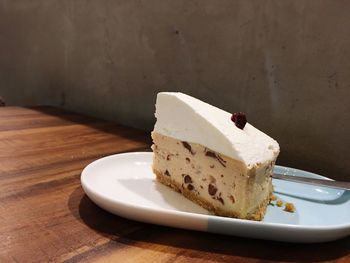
[{"x": 212, "y": 157}]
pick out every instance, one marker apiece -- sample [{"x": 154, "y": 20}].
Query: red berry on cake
[{"x": 240, "y": 119}]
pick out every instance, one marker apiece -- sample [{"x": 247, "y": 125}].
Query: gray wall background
[{"x": 285, "y": 63}]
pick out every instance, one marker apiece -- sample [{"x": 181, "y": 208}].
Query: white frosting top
[{"x": 188, "y": 119}]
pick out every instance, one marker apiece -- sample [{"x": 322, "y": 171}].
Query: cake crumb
[
  {"x": 273, "y": 198},
  {"x": 289, "y": 207},
  {"x": 279, "y": 203}
]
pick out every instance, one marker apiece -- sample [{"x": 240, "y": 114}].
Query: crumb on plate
[
  {"x": 279, "y": 203},
  {"x": 289, "y": 207}
]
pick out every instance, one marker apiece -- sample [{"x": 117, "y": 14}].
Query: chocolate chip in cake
[
  {"x": 212, "y": 189},
  {"x": 188, "y": 160},
  {"x": 216, "y": 156},
  {"x": 232, "y": 199},
  {"x": 212, "y": 166},
  {"x": 167, "y": 173},
  {"x": 240, "y": 119},
  {"x": 188, "y": 147},
  {"x": 210, "y": 154},
  {"x": 222, "y": 161},
  {"x": 187, "y": 179},
  {"x": 168, "y": 157},
  {"x": 190, "y": 187}
]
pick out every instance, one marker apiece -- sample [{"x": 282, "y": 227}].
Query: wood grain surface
[{"x": 45, "y": 215}]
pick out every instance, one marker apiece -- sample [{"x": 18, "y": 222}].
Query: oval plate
[{"x": 124, "y": 184}]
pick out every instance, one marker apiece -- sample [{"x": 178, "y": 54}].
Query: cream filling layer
[{"x": 220, "y": 180}]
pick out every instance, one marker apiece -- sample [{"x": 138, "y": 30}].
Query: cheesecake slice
[{"x": 211, "y": 157}]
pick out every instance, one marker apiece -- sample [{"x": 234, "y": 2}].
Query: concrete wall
[{"x": 285, "y": 63}]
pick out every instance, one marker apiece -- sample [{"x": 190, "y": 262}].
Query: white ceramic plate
[{"x": 124, "y": 184}]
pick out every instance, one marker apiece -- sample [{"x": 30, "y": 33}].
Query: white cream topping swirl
[{"x": 186, "y": 118}]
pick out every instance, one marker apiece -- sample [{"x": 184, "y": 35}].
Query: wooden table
[{"x": 45, "y": 215}]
